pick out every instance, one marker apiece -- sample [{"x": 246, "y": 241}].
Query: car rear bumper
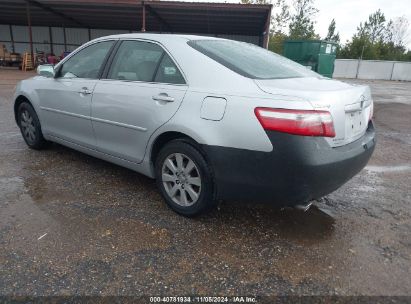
[{"x": 299, "y": 168}]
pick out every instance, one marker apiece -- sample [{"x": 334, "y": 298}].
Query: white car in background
[{"x": 211, "y": 119}]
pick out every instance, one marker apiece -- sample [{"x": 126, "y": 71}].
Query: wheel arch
[
  {"x": 18, "y": 101},
  {"x": 209, "y": 195},
  {"x": 164, "y": 138}
]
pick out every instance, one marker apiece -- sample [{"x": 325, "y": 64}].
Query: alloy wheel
[
  {"x": 181, "y": 179},
  {"x": 27, "y": 126}
]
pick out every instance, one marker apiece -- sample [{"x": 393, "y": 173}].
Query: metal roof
[{"x": 160, "y": 16}]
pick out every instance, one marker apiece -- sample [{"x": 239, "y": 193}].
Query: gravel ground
[{"x": 71, "y": 224}]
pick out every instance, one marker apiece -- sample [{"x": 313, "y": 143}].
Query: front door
[
  {"x": 142, "y": 91},
  {"x": 65, "y": 101}
]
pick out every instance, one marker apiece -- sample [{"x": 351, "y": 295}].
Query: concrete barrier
[
  {"x": 345, "y": 68},
  {"x": 372, "y": 69},
  {"x": 401, "y": 71}
]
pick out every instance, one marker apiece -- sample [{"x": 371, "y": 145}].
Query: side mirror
[{"x": 46, "y": 70}]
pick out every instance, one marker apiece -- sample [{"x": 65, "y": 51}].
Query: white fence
[{"x": 372, "y": 69}]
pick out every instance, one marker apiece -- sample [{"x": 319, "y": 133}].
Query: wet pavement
[{"x": 71, "y": 224}]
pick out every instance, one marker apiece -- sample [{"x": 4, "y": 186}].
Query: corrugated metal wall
[
  {"x": 76, "y": 36},
  {"x": 57, "y": 36},
  {"x": 5, "y": 32},
  {"x": 372, "y": 69},
  {"x": 5, "y": 36},
  {"x": 73, "y": 38},
  {"x": 250, "y": 39},
  {"x": 100, "y": 33}
]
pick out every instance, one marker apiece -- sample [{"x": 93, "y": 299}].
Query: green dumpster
[{"x": 318, "y": 55}]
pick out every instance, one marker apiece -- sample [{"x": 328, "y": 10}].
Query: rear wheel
[
  {"x": 184, "y": 178},
  {"x": 30, "y": 126}
]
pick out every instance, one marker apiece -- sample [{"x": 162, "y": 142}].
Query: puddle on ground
[
  {"x": 11, "y": 186},
  {"x": 264, "y": 220}
]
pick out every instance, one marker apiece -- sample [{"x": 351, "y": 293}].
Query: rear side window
[
  {"x": 144, "y": 61},
  {"x": 168, "y": 72},
  {"x": 87, "y": 62},
  {"x": 250, "y": 60}
]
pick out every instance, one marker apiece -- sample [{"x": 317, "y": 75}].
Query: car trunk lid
[{"x": 349, "y": 105}]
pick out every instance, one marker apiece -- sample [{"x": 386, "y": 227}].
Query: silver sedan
[{"x": 210, "y": 119}]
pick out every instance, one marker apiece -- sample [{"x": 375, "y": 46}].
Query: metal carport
[{"x": 235, "y": 21}]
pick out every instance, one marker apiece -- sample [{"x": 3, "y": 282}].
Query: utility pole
[
  {"x": 359, "y": 61},
  {"x": 30, "y": 32}
]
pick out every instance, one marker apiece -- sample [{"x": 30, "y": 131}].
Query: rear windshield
[{"x": 250, "y": 60}]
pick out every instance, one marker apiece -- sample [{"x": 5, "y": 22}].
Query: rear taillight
[
  {"x": 371, "y": 112},
  {"x": 299, "y": 122}
]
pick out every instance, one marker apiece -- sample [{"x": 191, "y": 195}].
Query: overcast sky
[{"x": 349, "y": 13}]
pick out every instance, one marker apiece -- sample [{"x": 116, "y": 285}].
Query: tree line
[{"x": 375, "y": 38}]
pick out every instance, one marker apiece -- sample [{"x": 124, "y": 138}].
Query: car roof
[
  {"x": 189, "y": 60},
  {"x": 159, "y": 37}
]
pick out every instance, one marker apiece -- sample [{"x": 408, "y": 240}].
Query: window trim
[
  {"x": 158, "y": 66},
  {"x": 103, "y": 64},
  {"x": 104, "y": 76},
  {"x": 110, "y": 59}
]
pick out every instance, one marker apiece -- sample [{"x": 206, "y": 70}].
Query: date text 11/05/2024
[{"x": 203, "y": 299}]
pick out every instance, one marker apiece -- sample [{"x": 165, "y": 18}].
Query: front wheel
[
  {"x": 30, "y": 126},
  {"x": 184, "y": 178}
]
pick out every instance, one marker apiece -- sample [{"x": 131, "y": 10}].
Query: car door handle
[
  {"x": 85, "y": 91},
  {"x": 163, "y": 97}
]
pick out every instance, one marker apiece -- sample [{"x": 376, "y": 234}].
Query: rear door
[
  {"x": 142, "y": 90},
  {"x": 65, "y": 101}
]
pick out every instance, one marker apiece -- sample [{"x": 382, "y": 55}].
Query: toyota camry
[{"x": 210, "y": 119}]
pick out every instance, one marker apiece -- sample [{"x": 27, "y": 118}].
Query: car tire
[
  {"x": 30, "y": 127},
  {"x": 184, "y": 178}
]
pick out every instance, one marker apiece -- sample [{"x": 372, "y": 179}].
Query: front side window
[
  {"x": 250, "y": 60},
  {"x": 87, "y": 62},
  {"x": 144, "y": 61}
]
